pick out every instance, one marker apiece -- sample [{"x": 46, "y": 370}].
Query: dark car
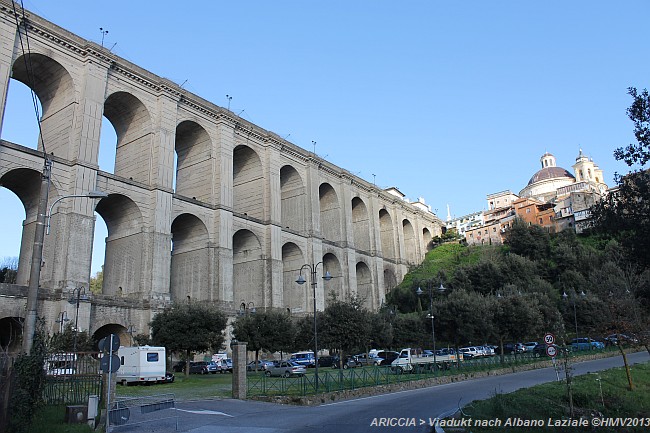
[
  {"x": 327, "y": 361},
  {"x": 199, "y": 367},
  {"x": 539, "y": 351},
  {"x": 178, "y": 366},
  {"x": 169, "y": 377},
  {"x": 262, "y": 365},
  {"x": 386, "y": 357},
  {"x": 623, "y": 338},
  {"x": 511, "y": 348},
  {"x": 349, "y": 362}
]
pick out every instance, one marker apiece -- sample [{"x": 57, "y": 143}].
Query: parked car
[
  {"x": 623, "y": 338},
  {"x": 327, "y": 360},
  {"x": 225, "y": 366},
  {"x": 286, "y": 369},
  {"x": 386, "y": 357},
  {"x": 586, "y": 344},
  {"x": 539, "y": 351},
  {"x": 213, "y": 367},
  {"x": 303, "y": 358},
  {"x": 262, "y": 364},
  {"x": 511, "y": 348},
  {"x": 362, "y": 359},
  {"x": 350, "y": 362},
  {"x": 470, "y": 352},
  {"x": 530, "y": 345},
  {"x": 199, "y": 367}
]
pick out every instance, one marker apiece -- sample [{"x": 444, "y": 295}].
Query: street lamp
[
  {"x": 80, "y": 295},
  {"x": 91, "y": 194},
  {"x": 573, "y": 300},
  {"x": 130, "y": 330},
  {"x": 301, "y": 280},
  {"x": 63, "y": 317},
  {"x": 245, "y": 308},
  {"x": 431, "y": 316}
]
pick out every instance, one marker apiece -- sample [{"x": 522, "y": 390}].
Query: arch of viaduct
[{"x": 202, "y": 204}]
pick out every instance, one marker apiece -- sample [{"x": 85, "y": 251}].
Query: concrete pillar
[{"x": 239, "y": 386}]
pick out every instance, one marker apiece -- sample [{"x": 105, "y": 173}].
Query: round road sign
[
  {"x": 549, "y": 338},
  {"x": 551, "y": 351}
]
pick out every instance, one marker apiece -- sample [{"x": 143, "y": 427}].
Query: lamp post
[
  {"x": 42, "y": 228},
  {"x": 575, "y": 313},
  {"x": 246, "y": 308},
  {"x": 91, "y": 194},
  {"x": 301, "y": 280},
  {"x": 431, "y": 316},
  {"x": 63, "y": 317},
  {"x": 130, "y": 330},
  {"x": 80, "y": 294}
]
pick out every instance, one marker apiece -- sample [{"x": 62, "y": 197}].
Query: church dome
[
  {"x": 546, "y": 181},
  {"x": 548, "y": 173}
]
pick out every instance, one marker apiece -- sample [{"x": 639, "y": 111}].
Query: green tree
[
  {"x": 9, "y": 270},
  {"x": 97, "y": 282},
  {"x": 409, "y": 331},
  {"x": 27, "y": 394},
  {"x": 272, "y": 331},
  {"x": 515, "y": 317},
  {"x": 381, "y": 329},
  {"x": 460, "y": 318},
  {"x": 625, "y": 212},
  {"x": 65, "y": 341},
  {"x": 528, "y": 241},
  {"x": 189, "y": 327},
  {"x": 346, "y": 326}
]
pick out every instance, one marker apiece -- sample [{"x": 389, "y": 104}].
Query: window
[
  {"x": 527, "y": 210},
  {"x": 541, "y": 221},
  {"x": 152, "y": 356}
]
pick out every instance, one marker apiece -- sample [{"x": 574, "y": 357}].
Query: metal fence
[
  {"x": 354, "y": 378},
  {"x": 72, "y": 378}
]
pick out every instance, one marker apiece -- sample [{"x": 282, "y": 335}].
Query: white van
[
  {"x": 141, "y": 364},
  {"x": 303, "y": 358}
]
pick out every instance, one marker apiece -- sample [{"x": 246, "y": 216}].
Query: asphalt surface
[{"x": 407, "y": 411}]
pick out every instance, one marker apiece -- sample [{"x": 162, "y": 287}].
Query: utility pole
[{"x": 37, "y": 260}]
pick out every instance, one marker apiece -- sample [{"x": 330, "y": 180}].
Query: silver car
[{"x": 285, "y": 369}]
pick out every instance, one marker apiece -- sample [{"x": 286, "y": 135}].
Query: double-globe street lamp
[
  {"x": 78, "y": 295},
  {"x": 430, "y": 315},
  {"x": 301, "y": 280}
]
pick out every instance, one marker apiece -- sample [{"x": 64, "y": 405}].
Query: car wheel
[
  {"x": 345, "y": 366},
  {"x": 286, "y": 374},
  {"x": 268, "y": 374}
]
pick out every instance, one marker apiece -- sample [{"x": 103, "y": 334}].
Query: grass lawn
[
  {"x": 192, "y": 387},
  {"x": 597, "y": 395}
]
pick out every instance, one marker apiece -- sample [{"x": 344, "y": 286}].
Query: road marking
[{"x": 205, "y": 412}]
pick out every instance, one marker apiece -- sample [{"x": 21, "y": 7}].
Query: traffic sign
[
  {"x": 551, "y": 351},
  {"x": 110, "y": 363},
  {"x": 549, "y": 338},
  {"x": 110, "y": 343}
]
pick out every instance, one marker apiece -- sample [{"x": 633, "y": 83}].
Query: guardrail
[{"x": 127, "y": 412}]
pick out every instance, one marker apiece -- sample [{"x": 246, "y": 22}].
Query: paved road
[{"x": 235, "y": 416}]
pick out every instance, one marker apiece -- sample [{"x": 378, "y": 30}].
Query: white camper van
[{"x": 141, "y": 364}]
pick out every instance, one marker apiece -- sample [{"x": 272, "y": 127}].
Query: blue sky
[{"x": 449, "y": 101}]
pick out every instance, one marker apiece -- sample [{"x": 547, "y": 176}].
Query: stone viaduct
[{"x": 203, "y": 205}]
